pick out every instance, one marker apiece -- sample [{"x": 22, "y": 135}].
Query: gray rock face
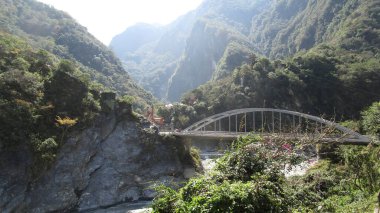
[
  {"x": 13, "y": 178},
  {"x": 108, "y": 164}
]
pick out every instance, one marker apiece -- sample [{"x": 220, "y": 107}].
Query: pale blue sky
[{"x": 107, "y": 18}]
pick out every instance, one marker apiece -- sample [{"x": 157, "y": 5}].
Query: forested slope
[
  {"x": 44, "y": 27},
  {"x": 292, "y": 26},
  {"x": 221, "y": 35},
  {"x": 337, "y": 77}
]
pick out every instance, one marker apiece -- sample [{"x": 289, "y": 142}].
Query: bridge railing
[{"x": 268, "y": 120}]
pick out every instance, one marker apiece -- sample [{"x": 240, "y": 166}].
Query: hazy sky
[{"x": 107, "y": 18}]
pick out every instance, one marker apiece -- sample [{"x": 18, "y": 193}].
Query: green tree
[{"x": 371, "y": 119}]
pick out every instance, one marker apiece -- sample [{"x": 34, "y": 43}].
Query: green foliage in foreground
[
  {"x": 250, "y": 179},
  {"x": 371, "y": 119},
  {"x": 248, "y": 186}
]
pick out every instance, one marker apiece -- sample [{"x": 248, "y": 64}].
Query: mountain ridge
[
  {"x": 55, "y": 31},
  {"x": 275, "y": 29}
]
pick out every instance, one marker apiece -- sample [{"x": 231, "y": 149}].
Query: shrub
[
  {"x": 362, "y": 164},
  {"x": 202, "y": 195},
  {"x": 371, "y": 119},
  {"x": 248, "y": 179},
  {"x": 45, "y": 150},
  {"x": 166, "y": 199},
  {"x": 196, "y": 159},
  {"x": 261, "y": 196},
  {"x": 250, "y": 157},
  {"x": 127, "y": 99},
  {"x": 44, "y": 153}
]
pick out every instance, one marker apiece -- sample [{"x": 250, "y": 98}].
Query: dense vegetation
[
  {"x": 251, "y": 178},
  {"x": 337, "y": 78},
  {"x": 292, "y": 26},
  {"x": 324, "y": 81},
  {"x": 327, "y": 81},
  {"x": 43, "y": 27},
  {"x": 40, "y": 98},
  {"x": 210, "y": 42},
  {"x": 52, "y": 76},
  {"x": 317, "y": 57}
]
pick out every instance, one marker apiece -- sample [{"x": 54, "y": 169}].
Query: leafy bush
[
  {"x": 16, "y": 84},
  {"x": 196, "y": 159},
  {"x": 166, "y": 199},
  {"x": 260, "y": 196},
  {"x": 350, "y": 186},
  {"x": 248, "y": 179},
  {"x": 127, "y": 99},
  {"x": 371, "y": 119},
  {"x": 204, "y": 195},
  {"x": 363, "y": 166},
  {"x": 251, "y": 157},
  {"x": 44, "y": 155},
  {"x": 45, "y": 150}
]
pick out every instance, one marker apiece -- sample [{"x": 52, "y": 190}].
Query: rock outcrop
[{"x": 115, "y": 161}]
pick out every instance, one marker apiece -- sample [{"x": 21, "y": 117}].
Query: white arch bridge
[{"x": 269, "y": 122}]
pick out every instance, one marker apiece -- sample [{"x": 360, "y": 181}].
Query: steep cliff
[
  {"x": 203, "y": 53},
  {"x": 116, "y": 160},
  {"x": 154, "y": 60}
]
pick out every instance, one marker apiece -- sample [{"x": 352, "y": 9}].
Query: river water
[
  {"x": 209, "y": 161},
  {"x": 132, "y": 207}
]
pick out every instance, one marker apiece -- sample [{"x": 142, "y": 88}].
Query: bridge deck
[{"x": 286, "y": 136}]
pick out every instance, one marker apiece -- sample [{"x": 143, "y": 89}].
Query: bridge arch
[{"x": 269, "y": 120}]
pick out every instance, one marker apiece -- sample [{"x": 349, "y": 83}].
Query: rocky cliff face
[
  {"x": 203, "y": 54},
  {"x": 115, "y": 161}
]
